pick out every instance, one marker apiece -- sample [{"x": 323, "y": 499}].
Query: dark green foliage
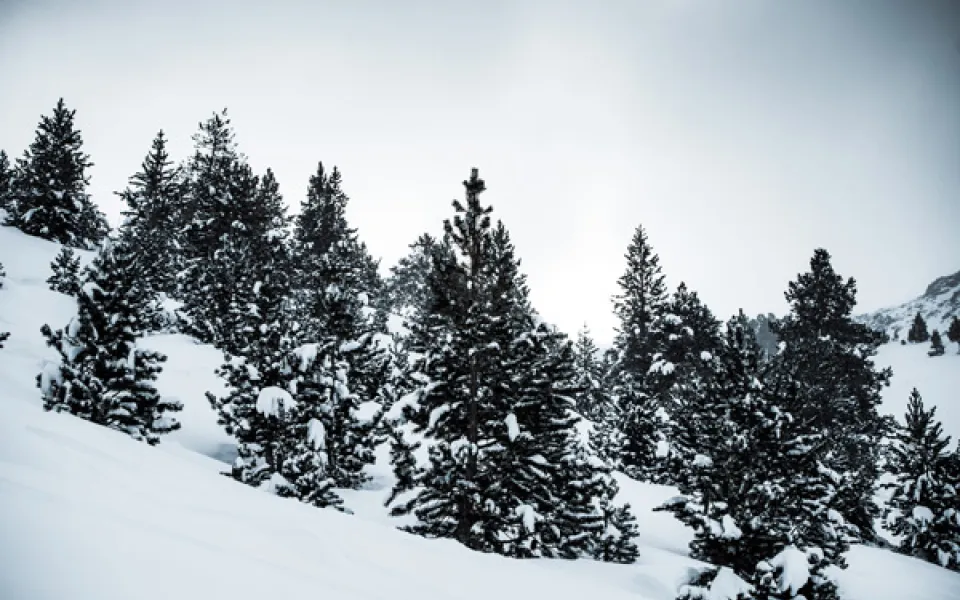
[
  {"x": 405, "y": 468},
  {"x": 953, "y": 333},
  {"x": 336, "y": 282},
  {"x": 232, "y": 243},
  {"x": 593, "y": 401},
  {"x": 406, "y": 288},
  {"x": 918, "y": 331},
  {"x": 49, "y": 197},
  {"x": 639, "y": 306},
  {"x": 103, "y": 376},
  {"x": 828, "y": 364},
  {"x": 936, "y": 345},
  {"x": 689, "y": 336},
  {"x": 152, "y": 200},
  {"x": 926, "y": 493},
  {"x": 754, "y": 480},
  {"x": 493, "y": 394},
  {"x": 66, "y": 272},
  {"x": 619, "y": 529}
]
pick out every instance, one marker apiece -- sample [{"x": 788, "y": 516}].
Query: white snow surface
[
  {"x": 87, "y": 513},
  {"x": 272, "y": 401}
]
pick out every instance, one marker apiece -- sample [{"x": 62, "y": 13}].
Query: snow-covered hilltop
[
  {"x": 939, "y": 303},
  {"x": 77, "y": 496}
]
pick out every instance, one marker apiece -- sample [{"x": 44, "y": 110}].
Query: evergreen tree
[
  {"x": 406, "y": 288},
  {"x": 49, "y": 197},
  {"x": 953, "y": 333},
  {"x": 494, "y": 397},
  {"x": 405, "y": 467},
  {"x": 220, "y": 194},
  {"x": 152, "y": 200},
  {"x": 336, "y": 287},
  {"x": 616, "y": 544},
  {"x": 66, "y": 272},
  {"x": 689, "y": 337},
  {"x": 592, "y": 399},
  {"x": 4, "y": 335},
  {"x": 755, "y": 489},
  {"x": 828, "y": 357},
  {"x": 102, "y": 375},
  {"x": 926, "y": 494},
  {"x": 918, "y": 331},
  {"x": 639, "y": 306},
  {"x": 936, "y": 345},
  {"x": 6, "y": 186}
]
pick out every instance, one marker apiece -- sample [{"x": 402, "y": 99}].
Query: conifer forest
[{"x": 505, "y": 435}]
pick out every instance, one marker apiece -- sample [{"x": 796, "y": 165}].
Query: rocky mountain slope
[{"x": 938, "y": 305}]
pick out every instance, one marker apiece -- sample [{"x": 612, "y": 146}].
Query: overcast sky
[{"x": 742, "y": 135}]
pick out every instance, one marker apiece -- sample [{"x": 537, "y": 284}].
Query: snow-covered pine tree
[
  {"x": 495, "y": 400},
  {"x": 953, "y": 332},
  {"x": 336, "y": 282},
  {"x": 721, "y": 456},
  {"x": 6, "y": 187},
  {"x": 66, "y": 272},
  {"x": 220, "y": 195},
  {"x": 754, "y": 488},
  {"x": 918, "y": 330},
  {"x": 828, "y": 358},
  {"x": 936, "y": 345},
  {"x": 102, "y": 375},
  {"x": 4, "y": 335},
  {"x": 406, "y": 471},
  {"x": 152, "y": 199},
  {"x": 616, "y": 544},
  {"x": 49, "y": 198},
  {"x": 406, "y": 287},
  {"x": 925, "y": 503},
  {"x": 639, "y": 306},
  {"x": 592, "y": 399}
]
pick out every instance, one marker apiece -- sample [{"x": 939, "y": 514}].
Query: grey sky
[{"x": 741, "y": 134}]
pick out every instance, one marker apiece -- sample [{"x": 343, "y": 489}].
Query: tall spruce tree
[
  {"x": 639, "y": 306},
  {"x": 953, "y": 332},
  {"x": 925, "y": 503},
  {"x": 152, "y": 200},
  {"x": 66, "y": 272},
  {"x": 49, "y": 197},
  {"x": 336, "y": 286},
  {"x": 102, "y": 375},
  {"x": 828, "y": 360},
  {"x": 494, "y": 397},
  {"x": 593, "y": 401},
  {"x": 689, "y": 336},
  {"x": 918, "y": 331},
  {"x": 936, "y": 345},
  {"x": 220, "y": 195}
]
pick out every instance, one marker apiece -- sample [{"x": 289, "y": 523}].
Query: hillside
[
  {"x": 938, "y": 304},
  {"x": 90, "y": 514}
]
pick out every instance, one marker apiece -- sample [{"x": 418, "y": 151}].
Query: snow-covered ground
[{"x": 87, "y": 513}]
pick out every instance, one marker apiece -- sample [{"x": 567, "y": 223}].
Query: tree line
[{"x": 776, "y": 453}]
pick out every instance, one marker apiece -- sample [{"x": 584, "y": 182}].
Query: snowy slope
[
  {"x": 939, "y": 303},
  {"x": 87, "y": 513}
]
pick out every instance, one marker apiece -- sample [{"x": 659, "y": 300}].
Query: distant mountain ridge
[{"x": 938, "y": 305}]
